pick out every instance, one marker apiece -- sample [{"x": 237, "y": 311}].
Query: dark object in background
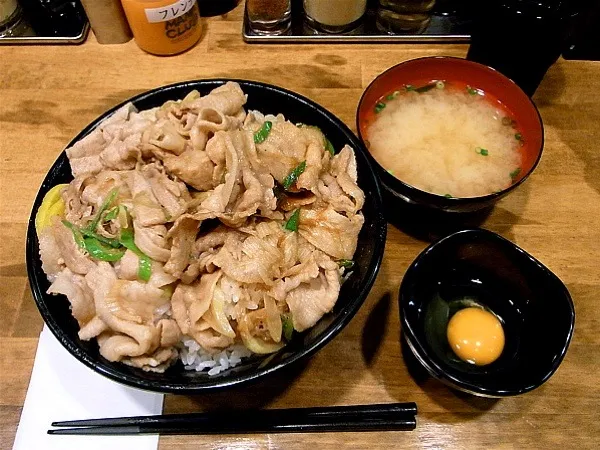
[
  {"x": 55, "y": 17},
  {"x": 584, "y": 36},
  {"x": 209, "y": 8},
  {"x": 519, "y": 38}
]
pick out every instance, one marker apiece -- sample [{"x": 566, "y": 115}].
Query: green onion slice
[
  {"x": 145, "y": 263},
  {"x": 292, "y": 223},
  {"x": 329, "y": 146},
  {"x": 76, "y": 234},
  {"x": 112, "y": 214},
  {"x": 346, "y": 263},
  {"x": 262, "y": 134},
  {"x": 105, "y": 205},
  {"x": 98, "y": 250},
  {"x": 287, "y": 327},
  {"x": 291, "y": 179}
]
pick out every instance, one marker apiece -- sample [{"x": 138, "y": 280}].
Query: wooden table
[{"x": 48, "y": 94}]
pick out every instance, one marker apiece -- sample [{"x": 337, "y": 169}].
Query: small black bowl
[
  {"x": 55, "y": 310},
  {"x": 533, "y": 305}
]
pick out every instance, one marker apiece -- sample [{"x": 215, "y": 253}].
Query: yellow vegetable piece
[
  {"x": 257, "y": 345},
  {"x": 252, "y": 321},
  {"x": 52, "y": 205}
]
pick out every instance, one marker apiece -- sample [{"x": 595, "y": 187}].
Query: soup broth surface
[{"x": 446, "y": 139}]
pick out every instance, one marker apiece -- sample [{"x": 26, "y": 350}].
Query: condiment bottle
[
  {"x": 269, "y": 16},
  {"x": 164, "y": 27},
  {"x": 107, "y": 20},
  {"x": 334, "y": 16},
  {"x": 11, "y": 18}
]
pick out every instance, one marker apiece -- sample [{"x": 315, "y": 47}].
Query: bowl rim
[
  {"x": 432, "y": 364},
  {"x": 337, "y": 324},
  {"x": 396, "y": 185}
]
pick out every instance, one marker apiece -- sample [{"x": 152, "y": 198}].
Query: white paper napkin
[{"x": 62, "y": 388}]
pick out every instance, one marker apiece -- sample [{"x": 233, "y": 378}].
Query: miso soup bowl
[
  {"x": 532, "y": 304},
  {"x": 457, "y": 70}
]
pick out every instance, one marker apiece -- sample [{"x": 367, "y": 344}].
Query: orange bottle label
[{"x": 164, "y": 27}]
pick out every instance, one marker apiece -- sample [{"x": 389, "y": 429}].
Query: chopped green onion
[
  {"x": 329, "y": 146},
  {"x": 108, "y": 241},
  {"x": 515, "y": 173},
  {"x": 472, "y": 91},
  {"x": 291, "y": 179},
  {"x": 393, "y": 95},
  {"x": 409, "y": 87},
  {"x": 261, "y": 135},
  {"x": 379, "y": 107},
  {"x": 481, "y": 151},
  {"x": 326, "y": 142},
  {"x": 105, "y": 205},
  {"x": 390, "y": 171},
  {"x": 98, "y": 250},
  {"x": 292, "y": 223},
  {"x": 76, "y": 234},
  {"x": 287, "y": 327},
  {"x": 112, "y": 214},
  {"x": 346, "y": 263},
  {"x": 518, "y": 136},
  {"x": 145, "y": 268},
  {"x": 448, "y": 196},
  {"x": 145, "y": 263},
  {"x": 440, "y": 84}
]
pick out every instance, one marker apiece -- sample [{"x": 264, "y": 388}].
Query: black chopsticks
[{"x": 378, "y": 417}]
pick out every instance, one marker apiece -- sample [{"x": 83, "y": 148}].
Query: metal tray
[
  {"x": 449, "y": 23},
  {"x": 34, "y": 39}
]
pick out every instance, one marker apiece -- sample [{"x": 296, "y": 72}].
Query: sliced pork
[{"x": 200, "y": 222}]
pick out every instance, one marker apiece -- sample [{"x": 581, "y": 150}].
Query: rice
[
  {"x": 196, "y": 358},
  {"x": 447, "y": 142}
]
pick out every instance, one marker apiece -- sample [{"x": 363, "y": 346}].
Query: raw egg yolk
[{"x": 476, "y": 336}]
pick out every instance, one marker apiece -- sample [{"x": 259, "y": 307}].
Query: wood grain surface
[{"x": 49, "y": 93}]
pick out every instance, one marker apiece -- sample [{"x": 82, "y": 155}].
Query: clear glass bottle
[
  {"x": 404, "y": 16},
  {"x": 334, "y": 16},
  {"x": 12, "y": 22},
  {"x": 269, "y": 16}
]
